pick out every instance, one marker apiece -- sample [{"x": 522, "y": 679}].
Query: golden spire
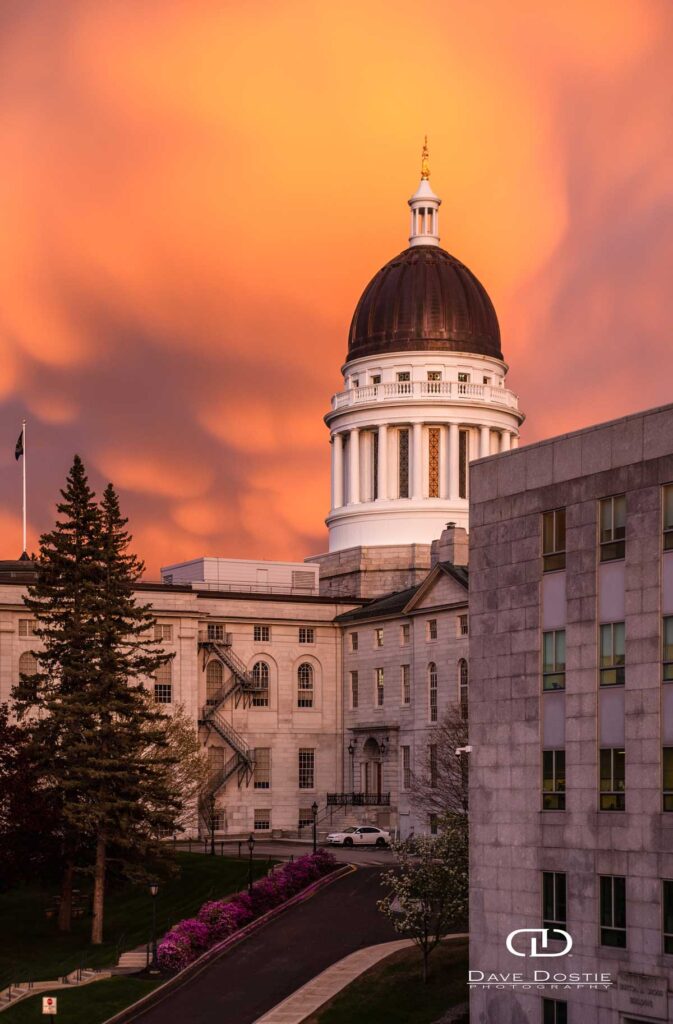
[{"x": 425, "y": 167}]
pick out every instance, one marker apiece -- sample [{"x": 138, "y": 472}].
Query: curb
[{"x": 129, "y": 1014}]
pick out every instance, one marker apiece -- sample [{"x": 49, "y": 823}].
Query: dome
[{"x": 424, "y": 300}]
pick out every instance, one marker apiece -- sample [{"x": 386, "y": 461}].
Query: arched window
[
  {"x": 163, "y": 684},
  {"x": 463, "y": 685},
  {"x": 305, "y": 686},
  {"x": 214, "y": 680},
  {"x": 27, "y": 664},
  {"x": 260, "y": 678},
  {"x": 432, "y": 686}
]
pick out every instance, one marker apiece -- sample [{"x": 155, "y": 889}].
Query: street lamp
[
  {"x": 154, "y": 891},
  {"x": 251, "y": 847},
  {"x": 314, "y": 809}
]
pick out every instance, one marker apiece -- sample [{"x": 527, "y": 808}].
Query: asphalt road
[
  {"x": 265, "y": 968},
  {"x": 369, "y": 856}
]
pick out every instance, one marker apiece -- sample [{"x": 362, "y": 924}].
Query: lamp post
[
  {"x": 351, "y": 752},
  {"x": 212, "y": 824},
  {"x": 251, "y": 847},
  {"x": 314, "y": 809},
  {"x": 154, "y": 891}
]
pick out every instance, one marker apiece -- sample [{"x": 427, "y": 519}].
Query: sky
[{"x": 194, "y": 193}]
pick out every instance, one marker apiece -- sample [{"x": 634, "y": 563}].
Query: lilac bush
[{"x": 218, "y": 919}]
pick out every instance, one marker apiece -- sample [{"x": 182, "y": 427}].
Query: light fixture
[{"x": 154, "y": 889}]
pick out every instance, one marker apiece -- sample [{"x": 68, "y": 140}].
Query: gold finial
[{"x": 425, "y": 166}]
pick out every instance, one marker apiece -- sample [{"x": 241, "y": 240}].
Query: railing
[
  {"x": 358, "y": 799},
  {"x": 443, "y": 390},
  {"x": 227, "y": 732}
]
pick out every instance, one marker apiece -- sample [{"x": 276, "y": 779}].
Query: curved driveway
[{"x": 268, "y": 966}]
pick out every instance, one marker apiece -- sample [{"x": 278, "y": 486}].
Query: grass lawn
[
  {"x": 393, "y": 992},
  {"x": 31, "y": 949},
  {"x": 91, "y": 1004}
]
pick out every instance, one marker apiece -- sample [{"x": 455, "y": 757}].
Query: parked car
[{"x": 360, "y": 835}]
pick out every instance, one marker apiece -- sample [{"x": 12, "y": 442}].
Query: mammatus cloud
[{"x": 192, "y": 200}]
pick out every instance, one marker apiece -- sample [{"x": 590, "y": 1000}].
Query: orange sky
[{"x": 194, "y": 193}]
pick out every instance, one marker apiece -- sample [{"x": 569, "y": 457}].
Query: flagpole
[{"x": 24, "y": 485}]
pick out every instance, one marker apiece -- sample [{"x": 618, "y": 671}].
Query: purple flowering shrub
[{"x": 218, "y": 919}]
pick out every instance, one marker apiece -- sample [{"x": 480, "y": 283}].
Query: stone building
[{"x": 571, "y": 725}]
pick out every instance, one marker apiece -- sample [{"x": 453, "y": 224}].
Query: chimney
[{"x": 452, "y": 546}]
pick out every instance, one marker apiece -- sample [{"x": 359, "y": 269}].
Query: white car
[{"x": 362, "y": 835}]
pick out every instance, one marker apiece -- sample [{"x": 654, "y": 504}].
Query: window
[
  {"x": 305, "y": 686},
  {"x": 668, "y": 517},
  {"x": 217, "y": 820},
  {"x": 554, "y": 540},
  {"x": 403, "y": 462},
  {"x": 376, "y": 378},
  {"x": 378, "y": 638},
  {"x": 613, "y": 779},
  {"x": 354, "y": 689},
  {"x": 553, "y": 900},
  {"x": 667, "y": 772},
  {"x": 261, "y": 634},
  {"x": 374, "y": 469},
  {"x": 612, "y": 512},
  {"x": 354, "y": 641},
  {"x": 554, "y": 1011},
  {"x": 214, "y": 681},
  {"x": 163, "y": 684},
  {"x": 463, "y": 440},
  {"x": 356, "y": 382},
  {"x": 464, "y": 378},
  {"x": 433, "y": 462},
  {"x": 216, "y": 631},
  {"x": 28, "y": 665},
  {"x": 668, "y": 648},
  {"x": 432, "y": 629},
  {"x": 554, "y": 660},
  {"x": 260, "y": 683},
  {"x": 553, "y": 780},
  {"x": 434, "y": 374},
  {"x": 432, "y": 760},
  {"x": 378, "y": 674},
  {"x": 613, "y": 910},
  {"x": 432, "y": 688},
  {"x": 406, "y": 684},
  {"x": 306, "y": 635},
  {"x": 486, "y": 380},
  {"x": 306, "y": 768},
  {"x": 405, "y": 634},
  {"x": 406, "y": 767},
  {"x": 305, "y": 817},
  {"x": 215, "y": 759},
  {"x": 262, "y": 819},
  {"x": 463, "y": 686},
  {"x": 262, "y": 769},
  {"x": 404, "y": 375},
  {"x": 162, "y": 631},
  {"x": 463, "y": 625},
  {"x": 27, "y": 627},
  {"x": 667, "y": 907},
  {"x": 612, "y": 654},
  {"x": 434, "y": 824}
]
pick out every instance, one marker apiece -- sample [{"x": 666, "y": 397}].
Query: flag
[{"x": 18, "y": 451}]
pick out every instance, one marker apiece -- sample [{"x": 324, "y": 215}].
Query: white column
[
  {"x": 485, "y": 442},
  {"x": 505, "y": 438},
  {"x": 514, "y": 440},
  {"x": 383, "y": 462},
  {"x": 443, "y": 462},
  {"x": 417, "y": 461},
  {"x": 453, "y": 460},
  {"x": 354, "y": 467},
  {"x": 337, "y": 471}
]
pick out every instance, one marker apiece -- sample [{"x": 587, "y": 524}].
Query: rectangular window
[
  {"x": 376, "y": 378},
  {"x": 262, "y": 770},
  {"x": 163, "y": 693},
  {"x": 305, "y": 817},
  {"x": 612, "y": 527},
  {"x": 433, "y": 462},
  {"x": 553, "y": 900},
  {"x": 216, "y": 631},
  {"x": 217, "y": 821},
  {"x": 613, "y": 779},
  {"x": 261, "y": 634},
  {"x": 554, "y": 660},
  {"x": 27, "y": 627},
  {"x": 162, "y": 631},
  {"x": 554, "y": 540},
  {"x": 463, "y": 457},
  {"x": 405, "y": 634},
  {"x": 432, "y": 629},
  {"x": 404, "y": 375},
  {"x": 434, "y": 824},
  {"x": 406, "y": 767},
  {"x": 553, "y": 780},
  {"x": 432, "y": 695},
  {"x": 378, "y": 638},
  {"x": 354, "y": 641},
  {"x": 306, "y": 768},
  {"x": 378, "y": 673},
  {"x": 354, "y": 690},
  {"x": 464, "y": 378},
  {"x": 434, "y": 374},
  {"x": 432, "y": 760},
  {"x": 668, "y": 648},
  {"x": 463, "y": 625},
  {"x": 613, "y": 910},
  {"x": 612, "y": 657},
  {"x": 403, "y": 462},
  {"x": 262, "y": 819},
  {"x": 554, "y": 1011},
  {"x": 406, "y": 684},
  {"x": 667, "y": 780},
  {"x": 668, "y": 516},
  {"x": 667, "y": 908},
  {"x": 306, "y": 635}
]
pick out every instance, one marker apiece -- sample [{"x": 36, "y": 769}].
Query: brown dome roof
[{"x": 424, "y": 299}]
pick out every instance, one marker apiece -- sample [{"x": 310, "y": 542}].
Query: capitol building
[{"x": 320, "y": 681}]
